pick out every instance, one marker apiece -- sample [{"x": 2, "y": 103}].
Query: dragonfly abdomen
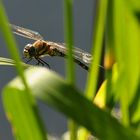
[{"x": 82, "y": 64}]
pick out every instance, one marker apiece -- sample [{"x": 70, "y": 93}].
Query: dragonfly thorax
[{"x": 29, "y": 51}]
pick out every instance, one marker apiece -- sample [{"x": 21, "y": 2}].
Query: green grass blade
[
  {"x": 97, "y": 44},
  {"x": 10, "y": 62},
  {"x": 68, "y": 32},
  {"x": 53, "y": 90},
  {"x": 7, "y": 61},
  {"x": 11, "y": 44},
  {"x": 97, "y": 48},
  {"x": 23, "y": 115}
]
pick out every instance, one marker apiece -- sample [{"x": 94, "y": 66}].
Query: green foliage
[
  {"x": 120, "y": 21},
  {"x": 23, "y": 114},
  {"x": 56, "y": 92}
]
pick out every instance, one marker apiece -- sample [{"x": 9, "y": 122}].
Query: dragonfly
[{"x": 41, "y": 48}]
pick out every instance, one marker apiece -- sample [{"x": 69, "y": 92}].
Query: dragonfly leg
[
  {"x": 28, "y": 60},
  {"x": 38, "y": 62},
  {"x": 42, "y": 62}
]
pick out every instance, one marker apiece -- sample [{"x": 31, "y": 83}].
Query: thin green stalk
[
  {"x": 96, "y": 53},
  {"x": 11, "y": 44},
  {"x": 96, "y": 48},
  {"x": 68, "y": 31}
]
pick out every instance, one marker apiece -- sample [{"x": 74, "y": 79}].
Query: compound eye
[{"x": 29, "y": 51}]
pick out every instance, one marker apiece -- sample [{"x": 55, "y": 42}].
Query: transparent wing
[
  {"x": 25, "y": 32},
  {"x": 77, "y": 53}
]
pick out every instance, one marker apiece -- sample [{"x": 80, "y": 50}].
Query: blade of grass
[
  {"x": 96, "y": 48},
  {"x": 68, "y": 32},
  {"x": 96, "y": 53},
  {"x": 11, "y": 44},
  {"x": 10, "y": 62},
  {"x": 22, "y": 115},
  {"x": 6, "y": 61}
]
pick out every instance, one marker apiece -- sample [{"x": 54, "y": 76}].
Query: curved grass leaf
[
  {"x": 10, "y": 62},
  {"x": 6, "y": 61},
  {"x": 53, "y": 90},
  {"x": 23, "y": 115}
]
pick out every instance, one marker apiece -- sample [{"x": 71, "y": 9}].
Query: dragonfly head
[{"x": 29, "y": 51}]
